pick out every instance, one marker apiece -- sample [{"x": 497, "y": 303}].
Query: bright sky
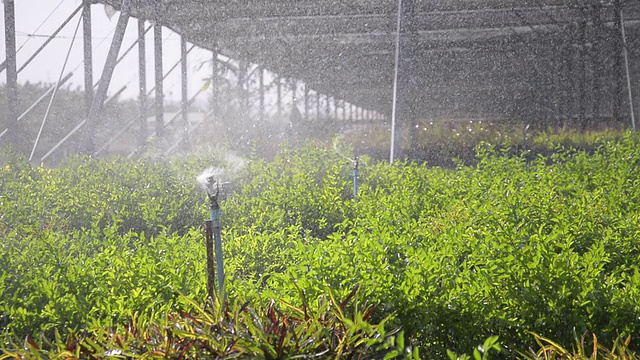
[{"x": 30, "y": 14}]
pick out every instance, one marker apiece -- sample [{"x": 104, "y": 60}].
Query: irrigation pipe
[
  {"x": 55, "y": 90},
  {"x": 214, "y": 209}
]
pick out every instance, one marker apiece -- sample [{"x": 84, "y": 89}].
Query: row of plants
[
  {"x": 452, "y": 256},
  {"x": 332, "y": 329},
  {"x": 445, "y": 142}
]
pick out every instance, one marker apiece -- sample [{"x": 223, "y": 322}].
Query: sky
[{"x": 31, "y": 14}]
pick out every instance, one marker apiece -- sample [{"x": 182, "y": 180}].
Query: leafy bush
[{"x": 510, "y": 245}]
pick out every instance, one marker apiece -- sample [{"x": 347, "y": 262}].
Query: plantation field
[{"x": 503, "y": 248}]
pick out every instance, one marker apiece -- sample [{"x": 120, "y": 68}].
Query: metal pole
[
  {"x": 105, "y": 79},
  {"x": 279, "y": 97},
  {"x": 242, "y": 94},
  {"x": 214, "y": 83},
  {"x": 159, "y": 85},
  {"x": 306, "y": 102},
  {"x": 211, "y": 272},
  {"x": 350, "y": 111},
  {"x": 261, "y": 90},
  {"x": 395, "y": 138},
  {"x": 327, "y": 107},
  {"x": 317, "y": 105},
  {"x": 582, "y": 54},
  {"x": 402, "y": 112},
  {"x": 142, "y": 81},
  {"x": 12, "y": 75},
  {"x": 335, "y": 108},
  {"x": 214, "y": 209},
  {"x": 626, "y": 65},
  {"x": 596, "y": 62},
  {"x": 183, "y": 68},
  {"x": 618, "y": 63},
  {"x": 88, "y": 57},
  {"x": 166, "y": 74}
]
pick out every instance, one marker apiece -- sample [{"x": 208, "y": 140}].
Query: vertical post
[
  {"x": 403, "y": 94},
  {"x": 242, "y": 94},
  {"x": 350, "y": 111},
  {"x": 355, "y": 177},
  {"x": 306, "y": 102},
  {"x": 211, "y": 272},
  {"x": 328, "y": 107},
  {"x": 185, "y": 78},
  {"x": 12, "y": 75},
  {"x": 618, "y": 92},
  {"x": 596, "y": 64},
  {"x": 582, "y": 55},
  {"x": 214, "y": 209},
  {"x": 563, "y": 83},
  {"x": 626, "y": 66},
  {"x": 294, "y": 89},
  {"x": 317, "y": 105},
  {"x": 279, "y": 97},
  {"x": 261, "y": 116},
  {"x": 214, "y": 82},
  {"x": 88, "y": 51},
  {"x": 87, "y": 141},
  {"x": 159, "y": 101},
  {"x": 142, "y": 81},
  {"x": 335, "y": 108}
]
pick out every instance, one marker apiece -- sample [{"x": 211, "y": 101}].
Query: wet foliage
[{"x": 510, "y": 245}]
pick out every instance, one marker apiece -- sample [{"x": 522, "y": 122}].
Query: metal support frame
[
  {"x": 618, "y": 66},
  {"x": 279, "y": 97},
  {"x": 627, "y": 71},
  {"x": 185, "y": 78},
  {"x": 596, "y": 61},
  {"x": 159, "y": 79},
  {"x": 243, "y": 89},
  {"x": 11, "y": 75},
  {"x": 317, "y": 105},
  {"x": 50, "y": 38},
  {"x": 327, "y": 107},
  {"x": 87, "y": 141},
  {"x": 306, "y": 102},
  {"x": 88, "y": 54},
  {"x": 582, "y": 76},
  {"x": 39, "y": 100},
  {"x": 214, "y": 84},
  {"x": 261, "y": 90},
  {"x": 142, "y": 82}
]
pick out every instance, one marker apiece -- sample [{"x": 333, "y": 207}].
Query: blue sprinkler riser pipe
[
  {"x": 217, "y": 238},
  {"x": 355, "y": 178}
]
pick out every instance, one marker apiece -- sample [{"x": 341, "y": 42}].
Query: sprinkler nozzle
[
  {"x": 355, "y": 163},
  {"x": 213, "y": 194}
]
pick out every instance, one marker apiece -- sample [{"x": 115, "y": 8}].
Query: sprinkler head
[{"x": 213, "y": 190}]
